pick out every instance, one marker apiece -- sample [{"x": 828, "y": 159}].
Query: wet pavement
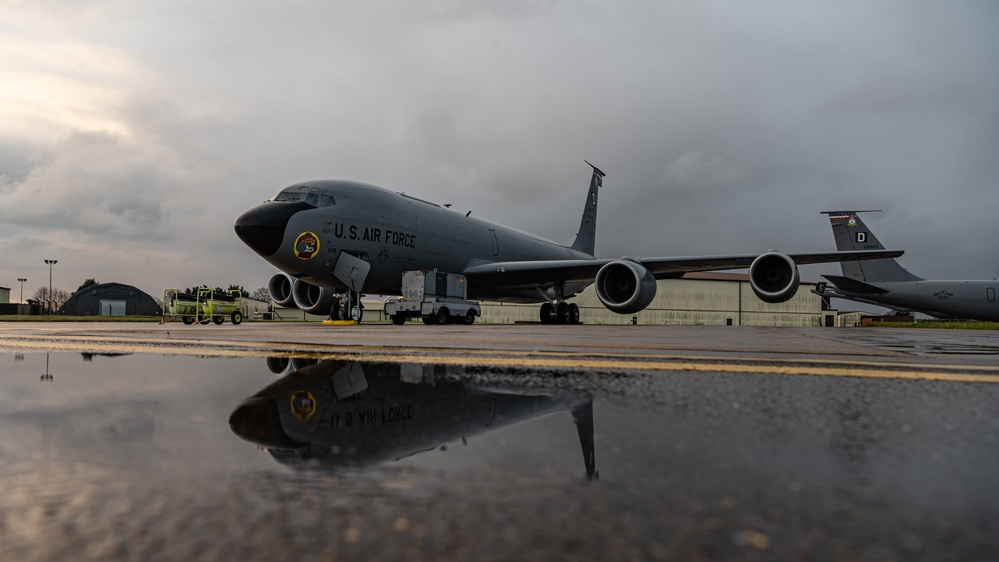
[{"x": 161, "y": 455}]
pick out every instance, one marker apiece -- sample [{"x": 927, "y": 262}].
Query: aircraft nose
[
  {"x": 258, "y": 421},
  {"x": 262, "y": 228}
]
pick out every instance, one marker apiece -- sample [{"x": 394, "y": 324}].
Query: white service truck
[{"x": 436, "y": 297}]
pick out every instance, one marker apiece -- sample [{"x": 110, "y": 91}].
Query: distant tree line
[
  {"x": 59, "y": 297},
  {"x": 239, "y": 288}
]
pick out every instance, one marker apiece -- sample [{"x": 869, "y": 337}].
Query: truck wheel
[
  {"x": 218, "y": 320},
  {"x": 429, "y": 320},
  {"x": 398, "y": 319},
  {"x": 187, "y": 320},
  {"x": 443, "y": 316},
  {"x": 236, "y": 317},
  {"x": 469, "y": 318}
]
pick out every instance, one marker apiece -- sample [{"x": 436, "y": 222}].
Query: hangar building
[
  {"x": 697, "y": 299},
  {"x": 110, "y": 299}
]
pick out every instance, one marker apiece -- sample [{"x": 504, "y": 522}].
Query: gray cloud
[{"x": 137, "y": 133}]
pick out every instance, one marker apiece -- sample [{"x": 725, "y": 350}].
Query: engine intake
[
  {"x": 625, "y": 287},
  {"x": 774, "y": 277},
  {"x": 280, "y": 289}
]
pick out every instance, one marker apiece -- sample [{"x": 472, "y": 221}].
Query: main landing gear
[{"x": 561, "y": 313}]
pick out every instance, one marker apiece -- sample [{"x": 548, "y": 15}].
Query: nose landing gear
[{"x": 347, "y": 307}]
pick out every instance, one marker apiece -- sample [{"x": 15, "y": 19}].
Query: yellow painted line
[
  {"x": 530, "y": 359},
  {"x": 597, "y": 364}
]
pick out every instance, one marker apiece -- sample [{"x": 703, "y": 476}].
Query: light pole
[
  {"x": 22, "y": 280},
  {"x": 51, "y": 263}
]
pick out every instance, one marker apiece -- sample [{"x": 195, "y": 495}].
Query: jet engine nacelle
[
  {"x": 774, "y": 277},
  {"x": 279, "y": 288},
  {"x": 311, "y": 298},
  {"x": 625, "y": 287}
]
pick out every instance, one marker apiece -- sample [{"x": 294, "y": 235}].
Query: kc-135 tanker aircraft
[
  {"x": 335, "y": 239},
  {"x": 886, "y": 283}
]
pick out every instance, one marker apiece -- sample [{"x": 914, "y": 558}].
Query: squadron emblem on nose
[
  {"x": 303, "y": 405},
  {"x": 306, "y": 246}
]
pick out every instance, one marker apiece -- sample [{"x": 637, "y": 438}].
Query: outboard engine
[
  {"x": 311, "y": 298},
  {"x": 625, "y": 287},
  {"x": 774, "y": 277},
  {"x": 279, "y": 288}
]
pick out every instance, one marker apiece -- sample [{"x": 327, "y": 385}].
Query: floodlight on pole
[
  {"x": 51, "y": 263},
  {"x": 22, "y": 280}
]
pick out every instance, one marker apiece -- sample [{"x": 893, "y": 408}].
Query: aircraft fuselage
[
  {"x": 394, "y": 233},
  {"x": 974, "y": 299}
]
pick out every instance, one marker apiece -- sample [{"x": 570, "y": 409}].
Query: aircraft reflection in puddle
[{"x": 338, "y": 414}]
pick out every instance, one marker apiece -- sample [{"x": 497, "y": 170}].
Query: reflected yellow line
[{"x": 526, "y": 359}]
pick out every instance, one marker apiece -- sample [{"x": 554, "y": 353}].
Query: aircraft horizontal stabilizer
[{"x": 852, "y": 285}]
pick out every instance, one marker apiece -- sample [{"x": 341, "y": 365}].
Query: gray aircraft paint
[
  {"x": 885, "y": 282},
  {"x": 308, "y": 227}
]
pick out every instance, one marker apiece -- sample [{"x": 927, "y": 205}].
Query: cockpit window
[
  {"x": 305, "y": 194},
  {"x": 288, "y": 196}
]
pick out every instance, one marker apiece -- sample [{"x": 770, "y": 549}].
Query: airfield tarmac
[{"x": 130, "y": 441}]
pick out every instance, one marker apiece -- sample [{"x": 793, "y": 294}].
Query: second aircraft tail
[{"x": 852, "y": 234}]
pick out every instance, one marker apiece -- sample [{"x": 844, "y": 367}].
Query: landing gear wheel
[
  {"x": 356, "y": 313},
  {"x": 236, "y": 318},
  {"x": 547, "y": 313},
  {"x": 562, "y": 313},
  {"x": 574, "y": 313},
  {"x": 335, "y": 309},
  {"x": 443, "y": 316},
  {"x": 469, "y": 318}
]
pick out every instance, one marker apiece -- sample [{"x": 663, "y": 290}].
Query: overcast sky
[{"x": 132, "y": 134}]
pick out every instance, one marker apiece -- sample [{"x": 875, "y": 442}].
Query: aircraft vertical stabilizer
[
  {"x": 587, "y": 235},
  {"x": 582, "y": 415},
  {"x": 852, "y": 234}
]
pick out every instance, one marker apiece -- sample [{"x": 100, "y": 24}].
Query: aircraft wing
[
  {"x": 536, "y": 273},
  {"x": 665, "y": 268},
  {"x": 544, "y": 273}
]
